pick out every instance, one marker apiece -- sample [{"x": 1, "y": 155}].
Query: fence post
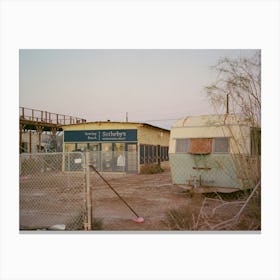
[{"x": 88, "y": 193}]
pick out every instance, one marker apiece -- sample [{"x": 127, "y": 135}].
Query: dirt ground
[
  {"x": 51, "y": 198},
  {"x": 151, "y": 196},
  {"x": 47, "y": 199}
]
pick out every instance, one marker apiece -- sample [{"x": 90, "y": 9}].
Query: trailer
[{"x": 215, "y": 153}]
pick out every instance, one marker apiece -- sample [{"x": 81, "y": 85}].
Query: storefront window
[
  {"x": 95, "y": 154},
  {"x": 107, "y": 157},
  {"x": 81, "y": 147},
  {"x": 119, "y": 156},
  {"x": 69, "y": 147},
  {"x": 131, "y": 165}
]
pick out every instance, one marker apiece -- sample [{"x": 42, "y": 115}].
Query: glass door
[
  {"x": 131, "y": 158},
  {"x": 107, "y": 157},
  {"x": 119, "y": 157},
  {"x": 95, "y": 155}
]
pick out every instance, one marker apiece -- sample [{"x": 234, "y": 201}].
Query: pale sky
[{"x": 153, "y": 86}]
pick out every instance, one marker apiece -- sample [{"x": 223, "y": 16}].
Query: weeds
[
  {"x": 204, "y": 213},
  {"x": 151, "y": 169},
  {"x": 184, "y": 218}
]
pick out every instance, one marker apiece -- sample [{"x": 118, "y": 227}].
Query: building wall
[
  {"x": 153, "y": 136},
  {"x": 147, "y": 136},
  {"x": 100, "y": 125}
]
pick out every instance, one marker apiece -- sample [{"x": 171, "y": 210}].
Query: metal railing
[{"x": 47, "y": 117}]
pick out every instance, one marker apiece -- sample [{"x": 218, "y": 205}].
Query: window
[
  {"x": 221, "y": 145},
  {"x": 182, "y": 145},
  {"x": 200, "y": 146},
  {"x": 81, "y": 147},
  {"x": 142, "y": 154}
]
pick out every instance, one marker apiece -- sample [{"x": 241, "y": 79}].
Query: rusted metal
[
  {"x": 38, "y": 120},
  {"x": 201, "y": 168},
  {"x": 32, "y": 118},
  {"x": 31, "y": 115}
]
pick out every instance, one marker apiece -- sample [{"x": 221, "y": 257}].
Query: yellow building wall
[
  {"x": 146, "y": 134},
  {"x": 100, "y": 125},
  {"x": 153, "y": 136}
]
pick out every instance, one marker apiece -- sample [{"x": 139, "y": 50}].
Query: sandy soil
[
  {"x": 151, "y": 196},
  {"x": 47, "y": 199},
  {"x": 53, "y": 198}
]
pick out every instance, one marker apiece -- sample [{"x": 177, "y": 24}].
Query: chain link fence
[
  {"x": 62, "y": 191},
  {"x": 52, "y": 191}
]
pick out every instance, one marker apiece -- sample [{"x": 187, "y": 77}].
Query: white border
[{"x": 155, "y": 24}]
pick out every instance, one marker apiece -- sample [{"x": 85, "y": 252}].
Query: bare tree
[{"x": 239, "y": 81}]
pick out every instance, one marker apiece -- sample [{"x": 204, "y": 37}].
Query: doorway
[{"x": 131, "y": 158}]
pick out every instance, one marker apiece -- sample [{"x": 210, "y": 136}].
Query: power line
[{"x": 161, "y": 120}]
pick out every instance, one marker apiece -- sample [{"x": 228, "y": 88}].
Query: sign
[{"x": 114, "y": 135}]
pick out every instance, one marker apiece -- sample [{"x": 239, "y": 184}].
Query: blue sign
[{"x": 114, "y": 135}]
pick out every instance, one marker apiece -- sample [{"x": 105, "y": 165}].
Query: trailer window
[
  {"x": 182, "y": 145},
  {"x": 200, "y": 146},
  {"x": 221, "y": 145}
]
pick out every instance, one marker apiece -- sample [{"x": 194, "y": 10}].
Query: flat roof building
[{"x": 118, "y": 146}]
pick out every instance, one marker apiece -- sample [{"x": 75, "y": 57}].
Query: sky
[{"x": 152, "y": 86}]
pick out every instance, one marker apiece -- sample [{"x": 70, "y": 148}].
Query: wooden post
[
  {"x": 88, "y": 193},
  {"x": 158, "y": 154},
  {"x": 30, "y": 141},
  {"x": 39, "y": 130},
  {"x": 20, "y": 137},
  {"x": 227, "y": 103},
  {"x": 54, "y": 138}
]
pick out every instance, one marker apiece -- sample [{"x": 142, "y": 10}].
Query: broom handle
[{"x": 91, "y": 165}]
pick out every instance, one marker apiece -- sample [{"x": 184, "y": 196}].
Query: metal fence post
[{"x": 88, "y": 193}]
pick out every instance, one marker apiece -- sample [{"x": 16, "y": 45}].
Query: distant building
[
  {"x": 32, "y": 142},
  {"x": 118, "y": 146}
]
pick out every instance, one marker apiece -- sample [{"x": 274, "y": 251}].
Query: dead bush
[
  {"x": 204, "y": 213},
  {"x": 184, "y": 218},
  {"x": 151, "y": 169}
]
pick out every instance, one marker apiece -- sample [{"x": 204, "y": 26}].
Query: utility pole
[
  {"x": 227, "y": 103},
  {"x": 126, "y": 116}
]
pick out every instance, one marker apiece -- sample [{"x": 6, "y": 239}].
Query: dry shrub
[
  {"x": 204, "y": 213},
  {"x": 150, "y": 169},
  {"x": 184, "y": 218},
  {"x": 251, "y": 218},
  {"x": 97, "y": 224}
]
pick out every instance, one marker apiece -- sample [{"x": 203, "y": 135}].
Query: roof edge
[{"x": 108, "y": 122}]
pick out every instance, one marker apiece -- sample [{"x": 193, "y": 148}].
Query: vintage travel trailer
[{"x": 219, "y": 153}]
